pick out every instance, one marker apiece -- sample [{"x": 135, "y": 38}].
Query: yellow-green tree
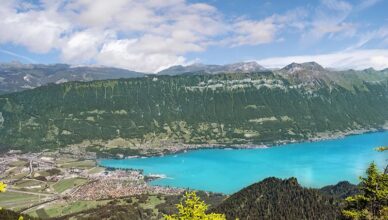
[
  {"x": 373, "y": 202},
  {"x": 381, "y": 148},
  {"x": 193, "y": 208},
  {"x": 3, "y": 188}
]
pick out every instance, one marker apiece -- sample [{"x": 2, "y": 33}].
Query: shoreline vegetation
[{"x": 182, "y": 148}]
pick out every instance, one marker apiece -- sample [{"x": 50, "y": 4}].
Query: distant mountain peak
[
  {"x": 250, "y": 66},
  {"x": 240, "y": 67},
  {"x": 308, "y": 66}
]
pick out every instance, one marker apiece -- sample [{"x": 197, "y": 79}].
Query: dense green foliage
[
  {"x": 279, "y": 199},
  {"x": 372, "y": 203},
  {"x": 193, "y": 208},
  {"x": 140, "y": 207},
  {"x": 226, "y": 109},
  {"x": 341, "y": 190},
  {"x": 274, "y": 193},
  {"x": 6, "y": 214}
]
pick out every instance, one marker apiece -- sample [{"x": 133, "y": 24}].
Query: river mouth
[{"x": 314, "y": 164}]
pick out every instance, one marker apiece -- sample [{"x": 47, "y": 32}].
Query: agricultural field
[
  {"x": 67, "y": 184},
  {"x": 18, "y": 200},
  {"x": 79, "y": 164},
  {"x": 62, "y": 208}
]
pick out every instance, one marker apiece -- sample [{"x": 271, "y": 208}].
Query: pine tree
[{"x": 373, "y": 202}]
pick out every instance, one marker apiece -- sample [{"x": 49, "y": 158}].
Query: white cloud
[
  {"x": 249, "y": 32},
  {"x": 142, "y": 35},
  {"x": 148, "y": 35},
  {"x": 368, "y": 36},
  {"x": 39, "y": 31},
  {"x": 357, "y": 59},
  {"x": 329, "y": 19},
  {"x": 366, "y": 4},
  {"x": 84, "y": 46},
  {"x": 118, "y": 53}
]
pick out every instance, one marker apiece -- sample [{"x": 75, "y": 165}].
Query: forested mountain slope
[
  {"x": 160, "y": 111},
  {"x": 274, "y": 198}
]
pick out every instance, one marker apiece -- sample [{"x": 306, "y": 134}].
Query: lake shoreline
[
  {"x": 262, "y": 163},
  {"x": 183, "y": 148}
]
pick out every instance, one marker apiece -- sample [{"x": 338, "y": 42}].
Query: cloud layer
[{"x": 150, "y": 35}]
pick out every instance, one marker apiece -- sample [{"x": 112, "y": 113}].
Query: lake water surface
[{"x": 314, "y": 164}]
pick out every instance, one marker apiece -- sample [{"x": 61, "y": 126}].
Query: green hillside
[
  {"x": 274, "y": 198},
  {"x": 160, "y": 111}
]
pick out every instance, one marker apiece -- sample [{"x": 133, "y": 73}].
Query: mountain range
[
  {"x": 242, "y": 67},
  {"x": 161, "y": 112},
  {"x": 17, "y": 77}
]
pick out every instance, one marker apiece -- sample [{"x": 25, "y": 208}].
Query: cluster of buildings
[
  {"x": 118, "y": 188},
  {"x": 101, "y": 183}
]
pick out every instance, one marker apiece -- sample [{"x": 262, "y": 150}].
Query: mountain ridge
[
  {"x": 274, "y": 198},
  {"x": 170, "y": 112},
  {"x": 198, "y": 68},
  {"x": 17, "y": 76}
]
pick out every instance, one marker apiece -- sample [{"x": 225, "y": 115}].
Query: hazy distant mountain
[
  {"x": 16, "y": 76},
  {"x": 312, "y": 74},
  {"x": 297, "y": 67},
  {"x": 242, "y": 67}
]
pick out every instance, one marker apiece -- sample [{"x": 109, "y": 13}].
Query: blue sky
[{"x": 149, "y": 35}]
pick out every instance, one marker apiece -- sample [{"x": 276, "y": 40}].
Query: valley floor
[{"x": 53, "y": 184}]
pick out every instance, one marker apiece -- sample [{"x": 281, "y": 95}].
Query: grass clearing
[
  {"x": 66, "y": 184},
  {"x": 27, "y": 183},
  {"x": 16, "y": 175},
  {"x": 16, "y": 200},
  {"x": 151, "y": 203},
  {"x": 65, "y": 160},
  {"x": 80, "y": 164},
  {"x": 18, "y": 163},
  {"x": 63, "y": 208},
  {"x": 96, "y": 170}
]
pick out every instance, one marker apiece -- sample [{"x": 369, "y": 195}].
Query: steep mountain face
[
  {"x": 162, "y": 111},
  {"x": 341, "y": 190},
  {"x": 243, "y": 67},
  {"x": 17, "y": 77},
  {"x": 312, "y": 75},
  {"x": 302, "y": 67},
  {"x": 274, "y": 198},
  {"x": 309, "y": 73}
]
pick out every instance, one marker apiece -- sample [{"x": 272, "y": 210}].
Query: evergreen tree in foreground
[{"x": 373, "y": 202}]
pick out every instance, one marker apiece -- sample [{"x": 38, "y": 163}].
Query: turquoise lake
[{"x": 314, "y": 164}]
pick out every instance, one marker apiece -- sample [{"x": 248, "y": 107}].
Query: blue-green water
[{"x": 315, "y": 164}]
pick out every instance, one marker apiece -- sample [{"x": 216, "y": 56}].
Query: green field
[
  {"x": 64, "y": 208},
  {"x": 15, "y": 200},
  {"x": 66, "y": 184},
  {"x": 28, "y": 183},
  {"x": 96, "y": 170},
  {"x": 18, "y": 163},
  {"x": 80, "y": 164}
]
